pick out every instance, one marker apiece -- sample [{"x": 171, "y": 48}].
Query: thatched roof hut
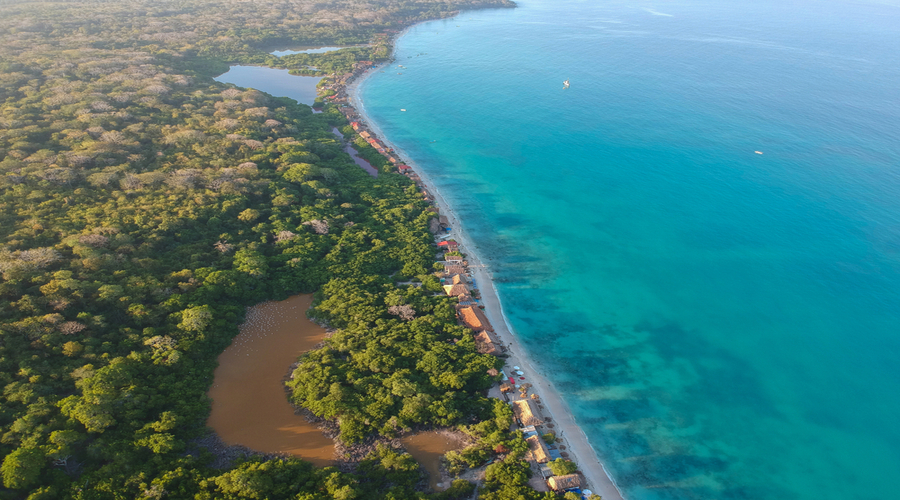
[
  {"x": 456, "y": 290},
  {"x": 527, "y": 412},
  {"x": 562, "y": 483},
  {"x": 474, "y": 318},
  {"x": 538, "y": 450},
  {"x": 459, "y": 279},
  {"x": 467, "y": 300},
  {"x": 488, "y": 336},
  {"x": 485, "y": 346}
]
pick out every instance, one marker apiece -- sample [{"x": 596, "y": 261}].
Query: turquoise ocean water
[{"x": 724, "y": 324}]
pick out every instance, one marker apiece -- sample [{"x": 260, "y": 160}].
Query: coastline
[{"x": 598, "y": 479}]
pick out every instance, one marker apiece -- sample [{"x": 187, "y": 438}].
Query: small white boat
[
  {"x": 758, "y": 152},
  {"x": 566, "y": 84},
  {"x": 401, "y": 109}
]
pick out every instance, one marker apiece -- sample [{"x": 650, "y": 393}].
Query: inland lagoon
[
  {"x": 278, "y": 82},
  {"x": 309, "y": 50},
  {"x": 250, "y": 406}
]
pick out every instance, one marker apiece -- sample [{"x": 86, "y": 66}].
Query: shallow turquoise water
[{"x": 724, "y": 324}]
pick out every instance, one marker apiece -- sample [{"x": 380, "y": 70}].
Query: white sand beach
[{"x": 581, "y": 452}]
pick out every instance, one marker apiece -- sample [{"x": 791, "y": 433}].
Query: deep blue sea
[{"x": 725, "y": 324}]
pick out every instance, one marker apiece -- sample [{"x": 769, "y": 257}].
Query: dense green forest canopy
[{"x": 144, "y": 206}]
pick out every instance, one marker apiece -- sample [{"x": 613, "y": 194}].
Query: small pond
[
  {"x": 277, "y": 82},
  {"x": 309, "y": 50}
]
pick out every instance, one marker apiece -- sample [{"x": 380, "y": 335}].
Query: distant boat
[
  {"x": 758, "y": 152},
  {"x": 566, "y": 84},
  {"x": 401, "y": 109}
]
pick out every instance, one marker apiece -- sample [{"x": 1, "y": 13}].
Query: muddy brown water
[
  {"x": 250, "y": 406},
  {"x": 428, "y": 448}
]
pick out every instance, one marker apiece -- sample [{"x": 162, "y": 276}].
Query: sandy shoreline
[{"x": 581, "y": 452}]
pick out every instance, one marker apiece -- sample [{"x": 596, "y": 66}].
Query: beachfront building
[
  {"x": 563, "y": 483},
  {"x": 453, "y": 259},
  {"x": 456, "y": 290},
  {"x": 488, "y": 336},
  {"x": 473, "y": 318},
  {"x": 467, "y": 300},
  {"x": 453, "y": 270},
  {"x": 537, "y": 449},
  {"x": 526, "y": 413},
  {"x": 486, "y": 345},
  {"x": 449, "y": 246},
  {"x": 457, "y": 279}
]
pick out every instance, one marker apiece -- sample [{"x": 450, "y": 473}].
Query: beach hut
[
  {"x": 488, "y": 336},
  {"x": 563, "y": 483},
  {"x": 473, "y": 318},
  {"x": 456, "y": 290},
  {"x": 453, "y": 269},
  {"x": 526, "y": 412},
  {"x": 459, "y": 279},
  {"x": 467, "y": 300},
  {"x": 485, "y": 346},
  {"x": 538, "y": 449}
]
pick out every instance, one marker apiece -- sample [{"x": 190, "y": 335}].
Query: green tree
[
  {"x": 22, "y": 467},
  {"x": 196, "y": 319},
  {"x": 250, "y": 261},
  {"x": 561, "y": 467}
]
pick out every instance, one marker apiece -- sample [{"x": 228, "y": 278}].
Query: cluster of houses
[
  {"x": 529, "y": 419},
  {"x": 457, "y": 281},
  {"x": 338, "y": 85}
]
